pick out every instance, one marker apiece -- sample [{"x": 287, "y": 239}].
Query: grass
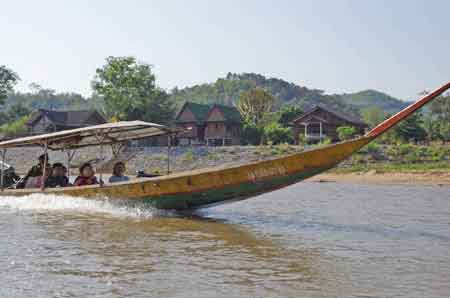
[
  {"x": 212, "y": 156},
  {"x": 188, "y": 156}
]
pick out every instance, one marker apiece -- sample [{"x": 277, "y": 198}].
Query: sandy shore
[{"x": 427, "y": 178}]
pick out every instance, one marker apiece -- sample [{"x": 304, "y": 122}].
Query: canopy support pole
[
  {"x": 321, "y": 131},
  {"x": 2, "y": 175},
  {"x": 101, "y": 168},
  {"x": 169, "y": 144},
  {"x": 44, "y": 170},
  {"x": 69, "y": 156},
  {"x": 101, "y": 136}
]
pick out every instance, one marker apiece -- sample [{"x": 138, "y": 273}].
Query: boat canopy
[{"x": 104, "y": 134}]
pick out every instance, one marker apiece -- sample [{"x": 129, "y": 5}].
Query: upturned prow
[{"x": 392, "y": 121}]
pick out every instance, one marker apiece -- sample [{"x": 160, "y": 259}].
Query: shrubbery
[
  {"x": 15, "y": 128},
  {"x": 345, "y": 132},
  {"x": 276, "y": 134}
]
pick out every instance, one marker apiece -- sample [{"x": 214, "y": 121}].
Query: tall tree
[
  {"x": 411, "y": 129},
  {"x": 440, "y": 108},
  {"x": 254, "y": 105},
  {"x": 129, "y": 91},
  {"x": 440, "y": 118},
  {"x": 373, "y": 116},
  {"x": 8, "y": 79}
]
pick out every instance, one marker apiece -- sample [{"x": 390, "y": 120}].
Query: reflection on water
[{"x": 314, "y": 240}]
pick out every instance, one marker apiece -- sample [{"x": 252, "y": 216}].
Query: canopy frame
[{"x": 111, "y": 133}]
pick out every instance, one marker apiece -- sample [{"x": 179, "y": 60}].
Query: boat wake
[{"x": 55, "y": 203}]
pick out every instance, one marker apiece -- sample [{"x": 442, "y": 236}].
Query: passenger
[
  {"x": 87, "y": 176},
  {"x": 118, "y": 173},
  {"x": 35, "y": 171},
  {"x": 9, "y": 176},
  {"x": 58, "y": 177},
  {"x": 36, "y": 182}
]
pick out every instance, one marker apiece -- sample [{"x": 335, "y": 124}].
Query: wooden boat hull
[{"x": 201, "y": 188}]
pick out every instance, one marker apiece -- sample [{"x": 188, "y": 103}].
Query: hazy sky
[{"x": 399, "y": 47}]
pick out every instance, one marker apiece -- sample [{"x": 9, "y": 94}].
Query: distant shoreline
[{"x": 391, "y": 178}]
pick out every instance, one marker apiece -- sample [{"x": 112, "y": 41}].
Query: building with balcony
[{"x": 321, "y": 122}]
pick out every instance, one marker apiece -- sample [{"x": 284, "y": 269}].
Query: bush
[
  {"x": 301, "y": 139},
  {"x": 251, "y": 135},
  {"x": 188, "y": 156},
  {"x": 412, "y": 157},
  {"x": 437, "y": 153},
  {"x": 212, "y": 156},
  {"x": 404, "y": 149},
  {"x": 370, "y": 148},
  {"x": 346, "y": 132},
  {"x": 325, "y": 141},
  {"x": 277, "y": 134},
  {"x": 15, "y": 128}
]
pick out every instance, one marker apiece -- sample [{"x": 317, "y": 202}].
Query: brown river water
[{"x": 307, "y": 240}]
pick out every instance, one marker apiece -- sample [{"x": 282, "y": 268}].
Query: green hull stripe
[{"x": 227, "y": 194}]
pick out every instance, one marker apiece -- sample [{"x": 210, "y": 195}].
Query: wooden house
[
  {"x": 223, "y": 126},
  {"x": 45, "y": 121},
  {"x": 191, "y": 118},
  {"x": 321, "y": 122},
  {"x": 212, "y": 125}
]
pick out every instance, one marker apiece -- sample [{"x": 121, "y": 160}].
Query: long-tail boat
[{"x": 203, "y": 187}]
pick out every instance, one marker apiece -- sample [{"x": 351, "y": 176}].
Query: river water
[{"x": 307, "y": 240}]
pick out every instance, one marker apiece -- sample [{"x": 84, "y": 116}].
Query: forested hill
[
  {"x": 47, "y": 99},
  {"x": 368, "y": 98},
  {"x": 226, "y": 91}
]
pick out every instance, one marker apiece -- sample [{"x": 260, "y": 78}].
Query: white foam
[{"x": 47, "y": 202}]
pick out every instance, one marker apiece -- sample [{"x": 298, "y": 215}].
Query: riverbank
[{"x": 432, "y": 178}]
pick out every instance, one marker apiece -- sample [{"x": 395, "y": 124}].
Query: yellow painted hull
[{"x": 200, "y": 188}]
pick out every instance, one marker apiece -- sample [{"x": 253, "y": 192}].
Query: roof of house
[
  {"x": 200, "y": 111},
  {"x": 231, "y": 114},
  {"x": 341, "y": 115},
  {"x": 68, "y": 118}
]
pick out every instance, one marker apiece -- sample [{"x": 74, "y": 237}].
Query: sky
[{"x": 399, "y": 47}]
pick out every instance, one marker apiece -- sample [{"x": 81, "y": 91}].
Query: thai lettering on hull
[{"x": 260, "y": 173}]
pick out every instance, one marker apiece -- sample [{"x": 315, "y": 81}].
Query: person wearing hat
[{"x": 35, "y": 171}]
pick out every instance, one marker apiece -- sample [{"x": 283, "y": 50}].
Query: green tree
[
  {"x": 129, "y": 91},
  {"x": 8, "y": 79},
  {"x": 373, "y": 116},
  {"x": 254, "y": 105},
  {"x": 15, "y": 128},
  {"x": 251, "y": 134},
  {"x": 438, "y": 121},
  {"x": 444, "y": 132},
  {"x": 13, "y": 113},
  {"x": 440, "y": 108},
  {"x": 411, "y": 129},
  {"x": 289, "y": 113},
  {"x": 346, "y": 132},
  {"x": 277, "y": 134},
  {"x": 18, "y": 111}
]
